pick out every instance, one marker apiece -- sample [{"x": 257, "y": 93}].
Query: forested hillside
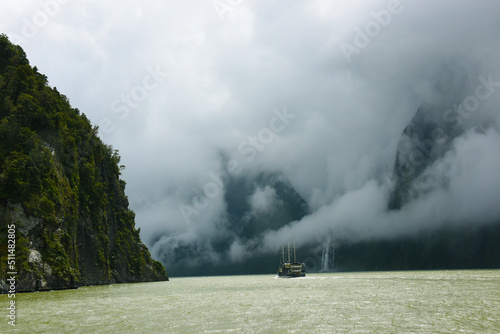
[{"x": 60, "y": 187}]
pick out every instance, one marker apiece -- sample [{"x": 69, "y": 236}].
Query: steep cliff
[
  {"x": 473, "y": 246},
  {"x": 60, "y": 190},
  {"x": 422, "y": 142}
]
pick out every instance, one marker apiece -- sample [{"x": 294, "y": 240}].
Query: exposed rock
[{"x": 23, "y": 223}]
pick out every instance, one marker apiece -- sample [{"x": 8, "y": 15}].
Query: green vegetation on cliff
[{"x": 60, "y": 185}]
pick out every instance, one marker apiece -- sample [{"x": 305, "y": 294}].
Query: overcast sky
[{"x": 317, "y": 90}]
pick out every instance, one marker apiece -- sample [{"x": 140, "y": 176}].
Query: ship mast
[
  {"x": 282, "y": 254},
  {"x": 288, "y": 251},
  {"x": 294, "y": 257}
]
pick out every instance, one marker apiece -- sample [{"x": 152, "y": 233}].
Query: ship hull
[
  {"x": 291, "y": 276},
  {"x": 291, "y": 270}
]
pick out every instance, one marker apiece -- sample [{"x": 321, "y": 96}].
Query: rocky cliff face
[
  {"x": 60, "y": 191},
  {"x": 422, "y": 142}
]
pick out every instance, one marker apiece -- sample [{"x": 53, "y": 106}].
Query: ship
[{"x": 288, "y": 269}]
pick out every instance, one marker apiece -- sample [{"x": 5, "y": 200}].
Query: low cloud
[
  {"x": 263, "y": 199},
  {"x": 223, "y": 80}
]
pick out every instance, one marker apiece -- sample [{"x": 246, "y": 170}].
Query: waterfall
[
  {"x": 324, "y": 257},
  {"x": 328, "y": 255},
  {"x": 333, "y": 256}
]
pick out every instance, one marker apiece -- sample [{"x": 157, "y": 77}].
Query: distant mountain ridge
[
  {"x": 422, "y": 142},
  {"x": 60, "y": 190}
]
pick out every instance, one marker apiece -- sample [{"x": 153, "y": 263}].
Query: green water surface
[{"x": 368, "y": 302}]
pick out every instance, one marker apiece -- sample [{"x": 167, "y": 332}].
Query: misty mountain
[
  {"x": 255, "y": 205},
  {"x": 388, "y": 131},
  {"x": 266, "y": 203},
  {"x": 422, "y": 143}
]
